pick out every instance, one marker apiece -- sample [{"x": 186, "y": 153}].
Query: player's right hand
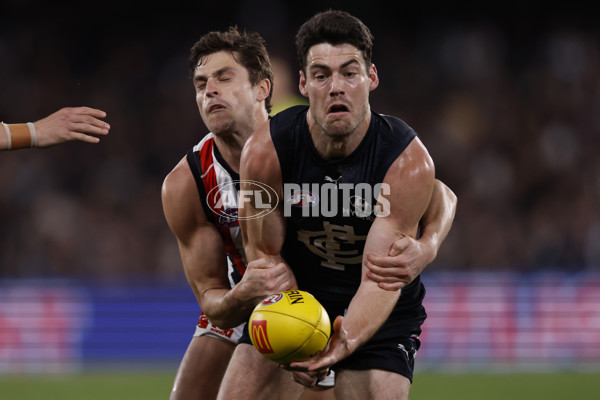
[{"x": 264, "y": 278}]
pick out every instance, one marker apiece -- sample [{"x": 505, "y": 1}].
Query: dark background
[{"x": 505, "y": 96}]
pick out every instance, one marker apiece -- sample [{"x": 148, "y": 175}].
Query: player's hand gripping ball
[{"x": 289, "y": 326}]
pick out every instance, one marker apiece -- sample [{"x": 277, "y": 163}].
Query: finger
[
  {"x": 94, "y": 112},
  {"x": 322, "y": 374},
  {"x": 391, "y": 287},
  {"x": 382, "y": 279},
  {"x": 299, "y": 366},
  {"x": 322, "y": 363},
  {"x": 383, "y": 272},
  {"x": 337, "y": 323},
  {"x": 93, "y": 129},
  {"x": 399, "y": 246},
  {"x": 87, "y": 119},
  {"x": 382, "y": 261},
  {"x": 305, "y": 379},
  {"x": 259, "y": 264},
  {"x": 84, "y": 138}
]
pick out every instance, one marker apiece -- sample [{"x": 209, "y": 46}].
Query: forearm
[
  {"x": 223, "y": 308},
  {"x": 368, "y": 310}
]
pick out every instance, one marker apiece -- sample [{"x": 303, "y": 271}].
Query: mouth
[
  {"x": 215, "y": 107},
  {"x": 337, "y": 108}
]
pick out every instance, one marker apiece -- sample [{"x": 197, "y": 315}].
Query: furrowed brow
[{"x": 216, "y": 74}]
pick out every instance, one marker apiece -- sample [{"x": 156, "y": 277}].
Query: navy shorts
[{"x": 395, "y": 355}]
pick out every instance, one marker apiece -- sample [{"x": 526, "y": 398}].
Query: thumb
[
  {"x": 337, "y": 323},
  {"x": 398, "y": 246}
]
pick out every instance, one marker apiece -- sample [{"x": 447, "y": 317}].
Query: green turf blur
[
  {"x": 503, "y": 386},
  {"x": 427, "y": 386}
]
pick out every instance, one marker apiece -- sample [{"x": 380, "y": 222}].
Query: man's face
[
  {"x": 337, "y": 83},
  {"x": 226, "y": 99}
]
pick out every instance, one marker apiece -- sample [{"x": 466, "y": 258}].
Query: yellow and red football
[{"x": 289, "y": 326}]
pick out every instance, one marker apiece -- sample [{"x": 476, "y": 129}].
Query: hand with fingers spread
[
  {"x": 405, "y": 261},
  {"x": 70, "y": 124},
  {"x": 309, "y": 372}
]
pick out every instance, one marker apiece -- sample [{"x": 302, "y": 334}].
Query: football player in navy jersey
[
  {"x": 233, "y": 82},
  {"x": 370, "y": 180}
]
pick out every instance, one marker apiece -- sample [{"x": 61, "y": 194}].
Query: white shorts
[
  {"x": 206, "y": 328},
  {"x": 329, "y": 381}
]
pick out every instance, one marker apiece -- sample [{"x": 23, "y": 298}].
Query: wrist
[{"x": 20, "y": 136}]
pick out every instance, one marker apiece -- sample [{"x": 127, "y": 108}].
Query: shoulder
[
  {"x": 412, "y": 171},
  {"x": 415, "y": 161},
  {"x": 395, "y": 127}
]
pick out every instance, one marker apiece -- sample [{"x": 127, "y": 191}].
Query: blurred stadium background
[{"x": 505, "y": 96}]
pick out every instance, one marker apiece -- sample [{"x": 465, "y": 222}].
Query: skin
[
  {"x": 338, "y": 83},
  {"x": 230, "y": 107},
  {"x": 66, "y": 125}
]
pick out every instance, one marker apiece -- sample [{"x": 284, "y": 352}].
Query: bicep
[{"x": 201, "y": 247}]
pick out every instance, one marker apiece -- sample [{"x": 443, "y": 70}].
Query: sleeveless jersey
[
  {"x": 330, "y": 206},
  {"x": 218, "y": 187}
]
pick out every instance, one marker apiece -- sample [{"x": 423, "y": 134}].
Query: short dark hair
[
  {"x": 334, "y": 27},
  {"x": 247, "y": 48}
]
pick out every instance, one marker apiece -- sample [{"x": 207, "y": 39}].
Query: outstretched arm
[
  {"x": 65, "y": 125},
  {"x": 409, "y": 256},
  {"x": 203, "y": 255}
]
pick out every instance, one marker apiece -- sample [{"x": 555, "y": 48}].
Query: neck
[
  {"x": 230, "y": 147},
  {"x": 231, "y": 144},
  {"x": 339, "y": 145}
]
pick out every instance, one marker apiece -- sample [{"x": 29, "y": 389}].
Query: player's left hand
[
  {"x": 405, "y": 261},
  {"x": 307, "y": 378},
  {"x": 337, "y": 349}
]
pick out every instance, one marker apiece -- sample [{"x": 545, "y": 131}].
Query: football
[{"x": 289, "y": 326}]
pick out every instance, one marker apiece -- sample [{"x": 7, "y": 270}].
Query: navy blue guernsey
[{"x": 330, "y": 205}]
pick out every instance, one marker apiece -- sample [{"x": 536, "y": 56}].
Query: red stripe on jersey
[{"x": 210, "y": 180}]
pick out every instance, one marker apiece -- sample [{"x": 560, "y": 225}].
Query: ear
[
  {"x": 373, "y": 77},
  {"x": 302, "y": 84},
  {"x": 264, "y": 88}
]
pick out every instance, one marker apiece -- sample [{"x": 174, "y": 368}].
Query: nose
[
  {"x": 211, "y": 87},
  {"x": 337, "y": 85}
]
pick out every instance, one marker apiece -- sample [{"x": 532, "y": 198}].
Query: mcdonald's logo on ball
[{"x": 289, "y": 326}]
